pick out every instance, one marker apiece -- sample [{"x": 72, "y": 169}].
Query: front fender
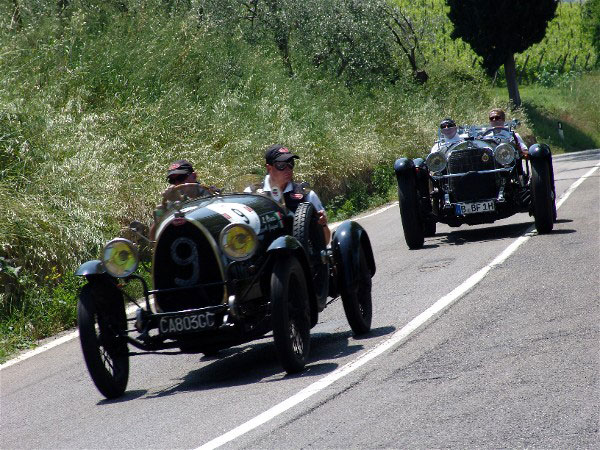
[
  {"x": 284, "y": 243},
  {"x": 291, "y": 245},
  {"x": 403, "y": 167},
  {"x": 539, "y": 151},
  {"x": 94, "y": 267},
  {"x": 347, "y": 241}
]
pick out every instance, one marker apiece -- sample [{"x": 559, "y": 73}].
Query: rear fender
[{"x": 347, "y": 241}]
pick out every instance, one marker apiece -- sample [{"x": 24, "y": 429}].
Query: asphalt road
[{"x": 511, "y": 361}]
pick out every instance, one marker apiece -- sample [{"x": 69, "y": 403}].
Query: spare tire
[{"x": 309, "y": 232}]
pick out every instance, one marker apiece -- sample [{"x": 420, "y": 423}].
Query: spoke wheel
[
  {"x": 544, "y": 203},
  {"x": 290, "y": 314},
  {"x": 102, "y": 324},
  {"x": 357, "y": 301}
]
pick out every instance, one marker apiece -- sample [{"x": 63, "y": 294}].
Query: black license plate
[
  {"x": 187, "y": 323},
  {"x": 462, "y": 209}
]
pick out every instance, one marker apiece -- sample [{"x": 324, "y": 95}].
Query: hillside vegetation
[{"x": 98, "y": 96}]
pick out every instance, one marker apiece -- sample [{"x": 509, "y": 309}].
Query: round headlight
[
  {"x": 120, "y": 257},
  {"x": 436, "y": 161},
  {"x": 504, "y": 154},
  {"x": 238, "y": 241}
]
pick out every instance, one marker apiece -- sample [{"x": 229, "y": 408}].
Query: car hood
[{"x": 260, "y": 212}]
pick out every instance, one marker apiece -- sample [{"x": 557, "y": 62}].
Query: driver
[
  {"x": 279, "y": 183},
  {"x": 450, "y": 135},
  {"x": 497, "y": 119}
]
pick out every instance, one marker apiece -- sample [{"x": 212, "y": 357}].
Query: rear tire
[
  {"x": 357, "y": 302},
  {"x": 409, "y": 212},
  {"x": 542, "y": 196},
  {"x": 290, "y": 314},
  {"x": 105, "y": 348}
]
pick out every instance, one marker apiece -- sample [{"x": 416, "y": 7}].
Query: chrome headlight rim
[
  {"x": 226, "y": 248},
  {"x": 120, "y": 257},
  {"x": 504, "y": 154},
  {"x": 436, "y": 161}
]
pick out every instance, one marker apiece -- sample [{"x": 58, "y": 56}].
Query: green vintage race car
[{"x": 226, "y": 269}]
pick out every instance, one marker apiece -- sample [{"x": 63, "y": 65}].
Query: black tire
[
  {"x": 290, "y": 313},
  {"x": 104, "y": 348},
  {"x": 409, "y": 212},
  {"x": 542, "y": 196},
  {"x": 310, "y": 234},
  {"x": 357, "y": 303},
  {"x": 429, "y": 228}
]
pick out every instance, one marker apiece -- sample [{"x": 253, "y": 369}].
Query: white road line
[{"x": 398, "y": 337}]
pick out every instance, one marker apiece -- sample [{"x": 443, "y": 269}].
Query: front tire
[
  {"x": 544, "y": 206},
  {"x": 102, "y": 326},
  {"x": 357, "y": 302},
  {"x": 290, "y": 314},
  {"x": 429, "y": 228},
  {"x": 409, "y": 212}
]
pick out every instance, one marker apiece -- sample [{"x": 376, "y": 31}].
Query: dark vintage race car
[
  {"x": 480, "y": 179},
  {"x": 226, "y": 269}
]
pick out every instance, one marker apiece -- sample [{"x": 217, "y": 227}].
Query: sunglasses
[
  {"x": 178, "y": 179},
  {"x": 496, "y": 118},
  {"x": 281, "y": 165},
  {"x": 446, "y": 125}
]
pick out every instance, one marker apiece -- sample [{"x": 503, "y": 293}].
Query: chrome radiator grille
[
  {"x": 472, "y": 186},
  {"x": 470, "y": 159}
]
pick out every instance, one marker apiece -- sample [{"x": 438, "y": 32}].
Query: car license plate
[
  {"x": 184, "y": 323},
  {"x": 473, "y": 208}
]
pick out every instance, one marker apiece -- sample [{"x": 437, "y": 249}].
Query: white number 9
[{"x": 188, "y": 247}]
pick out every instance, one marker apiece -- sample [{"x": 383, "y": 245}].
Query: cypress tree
[{"x": 497, "y": 29}]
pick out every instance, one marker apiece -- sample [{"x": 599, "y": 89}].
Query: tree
[
  {"x": 497, "y": 29},
  {"x": 408, "y": 38},
  {"x": 591, "y": 24}
]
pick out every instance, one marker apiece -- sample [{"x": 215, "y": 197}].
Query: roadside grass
[{"x": 572, "y": 101}]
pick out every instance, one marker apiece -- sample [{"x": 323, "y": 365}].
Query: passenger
[
  {"x": 180, "y": 172},
  {"x": 279, "y": 184},
  {"x": 497, "y": 120},
  {"x": 450, "y": 135}
]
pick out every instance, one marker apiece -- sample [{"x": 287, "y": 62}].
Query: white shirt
[{"x": 311, "y": 196}]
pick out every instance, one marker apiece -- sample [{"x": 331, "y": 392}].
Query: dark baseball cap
[
  {"x": 447, "y": 123},
  {"x": 179, "y": 167},
  {"x": 278, "y": 153}
]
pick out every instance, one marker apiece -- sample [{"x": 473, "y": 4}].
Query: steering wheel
[
  {"x": 491, "y": 130},
  {"x": 186, "y": 191}
]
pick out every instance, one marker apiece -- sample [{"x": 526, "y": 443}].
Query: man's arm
[
  {"x": 314, "y": 199},
  {"x": 521, "y": 142}
]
